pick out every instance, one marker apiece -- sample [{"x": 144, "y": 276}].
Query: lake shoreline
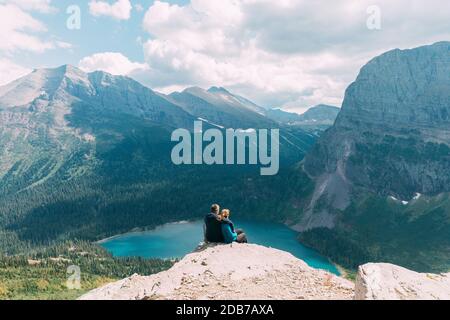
[
  {"x": 176, "y": 239},
  {"x": 141, "y": 230},
  {"x": 342, "y": 272}
]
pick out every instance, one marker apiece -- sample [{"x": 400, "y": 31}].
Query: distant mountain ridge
[
  {"x": 322, "y": 113},
  {"x": 220, "y": 106},
  {"x": 318, "y": 115}
]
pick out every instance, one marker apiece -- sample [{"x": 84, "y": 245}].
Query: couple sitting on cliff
[{"x": 220, "y": 229}]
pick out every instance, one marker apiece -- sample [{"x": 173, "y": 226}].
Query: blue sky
[
  {"x": 97, "y": 34},
  {"x": 287, "y": 53}
]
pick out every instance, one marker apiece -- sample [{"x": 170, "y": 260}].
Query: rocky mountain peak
[
  {"x": 194, "y": 90},
  {"x": 403, "y": 89},
  {"x": 46, "y": 84},
  {"x": 395, "y": 113},
  {"x": 218, "y": 90}
]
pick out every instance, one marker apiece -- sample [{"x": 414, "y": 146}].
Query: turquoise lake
[{"x": 175, "y": 240}]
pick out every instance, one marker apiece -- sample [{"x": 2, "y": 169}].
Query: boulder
[{"x": 383, "y": 281}]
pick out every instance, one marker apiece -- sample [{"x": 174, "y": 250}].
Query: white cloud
[
  {"x": 10, "y": 71},
  {"x": 43, "y": 6},
  {"x": 63, "y": 45},
  {"x": 205, "y": 43},
  {"x": 111, "y": 62},
  {"x": 120, "y": 10},
  {"x": 291, "y": 53},
  {"x": 19, "y": 29}
]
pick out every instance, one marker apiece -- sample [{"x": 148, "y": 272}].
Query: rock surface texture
[
  {"x": 382, "y": 281},
  {"x": 248, "y": 271},
  {"x": 238, "y": 271},
  {"x": 397, "y": 112}
]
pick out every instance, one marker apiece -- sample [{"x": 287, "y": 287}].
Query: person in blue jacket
[{"x": 231, "y": 235}]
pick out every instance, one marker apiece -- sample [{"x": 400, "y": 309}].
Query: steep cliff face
[
  {"x": 389, "y": 147},
  {"x": 393, "y": 133}
]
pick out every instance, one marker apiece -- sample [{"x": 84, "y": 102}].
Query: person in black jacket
[{"x": 213, "y": 225}]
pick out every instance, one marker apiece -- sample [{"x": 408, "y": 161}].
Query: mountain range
[
  {"x": 51, "y": 114},
  {"x": 87, "y": 155}
]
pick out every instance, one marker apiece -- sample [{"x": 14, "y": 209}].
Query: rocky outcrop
[
  {"x": 238, "y": 271},
  {"x": 382, "y": 281},
  {"x": 248, "y": 271}
]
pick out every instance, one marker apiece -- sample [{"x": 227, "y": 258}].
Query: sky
[{"x": 289, "y": 54}]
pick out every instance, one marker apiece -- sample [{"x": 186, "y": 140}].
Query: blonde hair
[{"x": 224, "y": 214}]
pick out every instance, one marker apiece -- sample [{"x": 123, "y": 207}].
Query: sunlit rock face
[
  {"x": 383, "y": 281},
  {"x": 393, "y": 133},
  {"x": 257, "y": 273}
]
